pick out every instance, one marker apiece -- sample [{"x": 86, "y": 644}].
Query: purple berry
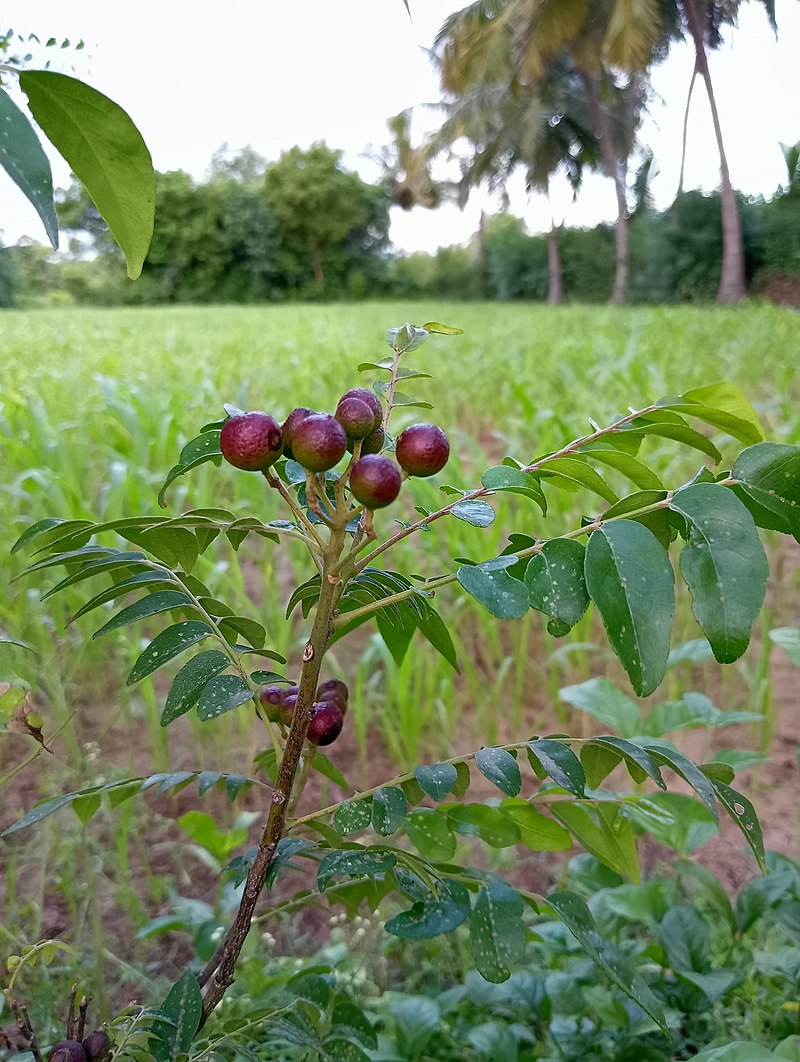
[
  {"x": 251, "y": 441},
  {"x": 375, "y": 481},
  {"x": 422, "y": 450}
]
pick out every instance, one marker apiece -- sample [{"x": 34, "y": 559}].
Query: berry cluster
[
  {"x": 318, "y": 441},
  {"x": 330, "y": 708},
  {"x": 95, "y": 1048},
  {"x": 254, "y": 442}
]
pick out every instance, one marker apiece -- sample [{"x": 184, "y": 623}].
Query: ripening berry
[
  {"x": 334, "y": 690},
  {"x": 422, "y": 450},
  {"x": 271, "y": 698},
  {"x": 97, "y": 1046},
  {"x": 373, "y": 444},
  {"x": 251, "y": 441},
  {"x": 295, "y": 418},
  {"x": 356, "y": 417},
  {"x": 327, "y": 723},
  {"x": 369, "y": 397},
  {"x": 319, "y": 442},
  {"x": 67, "y": 1051},
  {"x": 375, "y": 481},
  {"x": 287, "y": 708}
]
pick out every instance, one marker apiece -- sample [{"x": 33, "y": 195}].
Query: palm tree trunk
[
  {"x": 732, "y": 285},
  {"x": 686, "y": 128},
  {"x": 555, "y": 287},
  {"x": 603, "y": 133},
  {"x": 319, "y": 273}
]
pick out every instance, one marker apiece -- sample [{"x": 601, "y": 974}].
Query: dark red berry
[
  {"x": 422, "y": 450},
  {"x": 375, "y": 481},
  {"x": 370, "y": 398},
  {"x": 319, "y": 442},
  {"x": 272, "y": 697},
  {"x": 97, "y": 1046},
  {"x": 67, "y": 1051},
  {"x": 373, "y": 444},
  {"x": 251, "y": 441},
  {"x": 327, "y": 723},
  {"x": 356, "y": 417},
  {"x": 296, "y": 417},
  {"x": 334, "y": 690}
]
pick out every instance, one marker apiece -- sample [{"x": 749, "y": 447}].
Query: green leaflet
[
  {"x": 23, "y": 159},
  {"x": 555, "y": 581},
  {"x": 724, "y": 565},
  {"x": 577, "y": 917},
  {"x": 437, "y": 779},
  {"x": 430, "y": 833},
  {"x": 166, "y": 646},
  {"x": 537, "y": 831},
  {"x": 184, "y": 1008},
  {"x": 353, "y": 863},
  {"x": 769, "y": 477},
  {"x": 161, "y": 601},
  {"x": 492, "y": 825},
  {"x": 501, "y": 769},
  {"x": 630, "y": 579},
  {"x": 577, "y": 470},
  {"x": 106, "y": 152},
  {"x": 221, "y": 694},
  {"x": 558, "y": 761},
  {"x": 607, "y": 835},
  {"x": 190, "y": 680},
  {"x": 433, "y": 916},
  {"x": 609, "y": 705},
  {"x": 388, "y": 810},
  {"x": 477, "y": 513},
  {"x": 498, "y": 592},
  {"x": 497, "y": 931}
]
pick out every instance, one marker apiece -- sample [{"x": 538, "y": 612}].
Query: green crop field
[{"x": 94, "y": 408}]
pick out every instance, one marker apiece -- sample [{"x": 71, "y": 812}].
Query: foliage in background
[{"x": 220, "y": 240}]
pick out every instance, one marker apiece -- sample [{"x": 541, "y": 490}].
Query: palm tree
[
  {"x": 520, "y": 40},
  {"x": 704, "y": 21},
  {"x": 541, "y": 135},
  {"x": 406, "y": 169}
]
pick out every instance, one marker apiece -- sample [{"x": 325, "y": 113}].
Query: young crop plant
[{"x": 336, "y": 477}]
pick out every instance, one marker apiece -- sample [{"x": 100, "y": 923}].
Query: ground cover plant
[{"x": 428, "y": 880}]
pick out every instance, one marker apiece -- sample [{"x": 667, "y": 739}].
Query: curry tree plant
[{"x": 333, "y": 475}]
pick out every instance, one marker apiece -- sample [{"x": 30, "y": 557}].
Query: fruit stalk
[{"x": 218, "y": 974}]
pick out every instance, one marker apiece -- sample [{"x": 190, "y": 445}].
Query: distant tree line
[{"x": 303, "y": 228}]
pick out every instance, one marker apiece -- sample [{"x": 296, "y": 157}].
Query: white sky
[{"x": 195, "y": 73}]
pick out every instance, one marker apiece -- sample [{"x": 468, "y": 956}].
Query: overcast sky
[{"x": 194, "y": 74}]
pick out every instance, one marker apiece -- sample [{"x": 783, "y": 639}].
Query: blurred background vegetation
[{"x": 244, "y": 235}]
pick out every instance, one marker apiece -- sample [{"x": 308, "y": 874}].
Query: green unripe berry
[
  {"x": 271, "y": 698},
  {"x": 12, "y": 962},
  {"x": 375, "y": 481},
  {"x": 34, "y": 720}
]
